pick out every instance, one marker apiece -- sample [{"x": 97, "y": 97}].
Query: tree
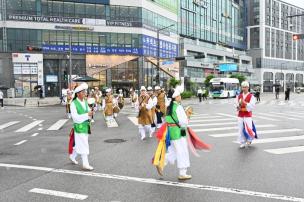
[
  {"x": 208, "y": 78},
  {"x": 174, "y": 82},
  {"x": 238, "y": 76}
]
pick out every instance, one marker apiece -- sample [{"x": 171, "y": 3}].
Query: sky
[{"x": 299, "y": 3}]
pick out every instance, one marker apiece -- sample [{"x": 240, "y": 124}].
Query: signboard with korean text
[{"x": 228, "y": 67}]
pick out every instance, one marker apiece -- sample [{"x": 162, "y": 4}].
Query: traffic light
[
  {"x": 33, "y": 48},
  {"x": 296, "y": 37},
  {"x": 65, "y": 76}
]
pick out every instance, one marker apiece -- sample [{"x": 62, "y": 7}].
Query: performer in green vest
[
  {"x": 81, "y": 114},
  {"x": 177, "y": 123}
]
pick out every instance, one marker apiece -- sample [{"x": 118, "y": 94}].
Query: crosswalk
[
  {"x": 269, "y": 128},
  {"x": 34, "y": 125}
]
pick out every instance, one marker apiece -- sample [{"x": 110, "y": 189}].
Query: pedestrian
[
  {"x": 121, "y": 100},
  {"x": 153, "y": 99},
  {"x": 162, "y": 104},
  {"x": 41, "y": 92},
  {"x": 1, "y": 99},
  {"x": 204, "y": 94},
  {"x": 200, "y": 94},
  {"x": 258, "y": 93},
  {"x": 81, "y": 115},
  {"x": 69, "y": 101},
  {"x": 245, "y": 103},
  {"x": 98, "y": 98},
  {"x": 144, "y": 113},
  {"x": 134, "y": 97},
  {"x": 287, "y": 93},
  {"x": 277, "y": 92}
]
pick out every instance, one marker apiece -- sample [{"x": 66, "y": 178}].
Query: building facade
[
  {"x": 278, "y": 60},
  {"x": 113, "y": 41},
  {"x": 216, "y": 29}
]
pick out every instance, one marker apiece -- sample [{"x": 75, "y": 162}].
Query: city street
[{"x": 34, "y": 164}]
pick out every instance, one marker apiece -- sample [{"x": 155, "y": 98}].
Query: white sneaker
[
  {"x": 87, "y": 168},
  {"x": 143, "y": 138},
  {"x": 92, "y": 121},
  {"x": 73, "y": 161},
  {"x": 151, "y": 135},
  {"x": 242, "y": 146}
]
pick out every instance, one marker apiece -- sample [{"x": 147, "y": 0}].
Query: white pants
[
  {"x": 143, "y": 129},
  {"x": 84, "y": 157},
  {"x": 82, "y": 143},
  {"x": 178, "y": 150},
  {"x": 241, "y": 121}
]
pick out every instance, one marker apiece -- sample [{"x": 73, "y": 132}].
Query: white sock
[
  {"x": 183, "y": 171},
  {"x": 142, "y": 132},
  {"x": 73, "y": 155}
]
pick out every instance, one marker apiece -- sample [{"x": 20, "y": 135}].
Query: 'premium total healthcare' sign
[{"x": 48, "y": 19}]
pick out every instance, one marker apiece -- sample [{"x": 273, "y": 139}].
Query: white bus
[{"x": 224, "y": 87}]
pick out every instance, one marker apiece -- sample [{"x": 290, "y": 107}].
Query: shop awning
[{"x": 85, "y": 79}]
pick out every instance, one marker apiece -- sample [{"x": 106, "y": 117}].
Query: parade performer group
[
  {"x": 81, "y": 115},
  {"x": 245, "y": 103}
]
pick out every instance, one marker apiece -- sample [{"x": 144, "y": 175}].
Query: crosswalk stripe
[
  {"x": 228, "y": 115},
  {"x": 29, "y": 126},
  {"x": 21, "y": 142},
  {"x": 133, "y": 120},
  {"x": 205, "y": 117},
  {"x": 212, "y": 120},
  {"x": 212, "y": 124},
  {"x": 231, "y": 128},
  {"x": 272, "y": 115},
  {"x": 291, "y": 115},
  {"x": 259, "y": 132},
  {"x": 59, "y": 194},
  {"x": 198, "y": 115},
  {"x": 286, "y": 150},
  {"x": 8, "y": 124},
  {"x": 58, "y": 124},
  {"x": 277, "y": 139},
  {"x": 265, "y": 118}
]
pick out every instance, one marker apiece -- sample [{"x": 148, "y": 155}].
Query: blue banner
[
  {"x": 93, "y": 50},
  {"x": 166, "y": 49},
  {"x": 228, "y": 67}
]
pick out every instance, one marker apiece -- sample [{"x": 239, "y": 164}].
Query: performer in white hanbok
[
  {"x": 81, "y": 115},
  {"x": 245, "y": 103},
  {"x": 153, "y": 99}
]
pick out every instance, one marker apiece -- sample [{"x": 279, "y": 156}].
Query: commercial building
[
  {"x": 216, "y": 29},
  {"x": 114, "y": 41},
  {"x": 278, "y": 60}
]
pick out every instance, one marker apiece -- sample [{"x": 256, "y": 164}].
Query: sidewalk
[{"x": 31, "y": 102}]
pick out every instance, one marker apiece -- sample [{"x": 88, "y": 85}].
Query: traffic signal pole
[{"x": 70, "y": 63}]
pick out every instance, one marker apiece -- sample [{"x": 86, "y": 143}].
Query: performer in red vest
[{"x": 245, "y": 103}]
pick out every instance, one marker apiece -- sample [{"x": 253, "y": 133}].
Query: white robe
[
  {"x": 178, "y": 150},
  {"x": 81, "y": 139},
  {"x": 245, "y": 120}
]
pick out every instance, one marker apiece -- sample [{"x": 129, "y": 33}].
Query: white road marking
[
  {"x": 30, "y": 117},
  {"x": 20, "y": 143},
  {"x": 228, "y": 115},
  {"x": 265, "y": 118},
  {"x": 134, "y": 120},
  {"x": 198, "y": 115},
  {"x": 29, "y": 126},
  {"x": 40, "y": 128},
  {"x": 205, "y": 117},
  {"x": 59, "y": 194},
  {"x": 292, "y": 115},
  {"x": 8, "y": 124},
  {"x": 159, "y": 182},
  {"x": 34, "y": 119},
  {"x": 35, "y": 134},
  {"x": 259, "y": 132},
  {"x": 212, "y": 124},
  {"x": 58, "y": 125},
  {"x": 40, "y": 125},
  {"x": 231, "y": 128},
  {"x": 272, "y": 115},
  {"x": 212, "y": 120},
  {"x": 276, "y": 139},
  {"x": 286, "y": 150}
]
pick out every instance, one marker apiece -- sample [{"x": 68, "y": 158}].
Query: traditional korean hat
[
  {"x": 157, "y": 88},
  {"x": 150, "y": 88},
  {"x": 245, "y": 84},
  {"x": 143, "y": 88},
  {"x": 108, "y": 90},
  {"x": 81, "y": 87},
  {"x": 91, "y": 101},
  {"x": 178, "y": 91}
]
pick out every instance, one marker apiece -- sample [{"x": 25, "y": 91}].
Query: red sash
[{"x": 243, "y": 112}]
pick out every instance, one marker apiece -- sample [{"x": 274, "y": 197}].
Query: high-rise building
[
  {"x": 113, "y": 41},
  {"x": 278, "y": 60},
  {"x": 217, "y": 30}
]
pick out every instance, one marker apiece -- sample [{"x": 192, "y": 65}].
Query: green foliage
[
  {"x": 174, "y": 82},
  {"x": 208, "y": 78},
  {"x": 186, "y": 94},
  {"x": 240, "y": 77}
]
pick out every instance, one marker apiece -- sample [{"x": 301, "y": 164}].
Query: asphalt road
[{"x": 34, "y": 163}]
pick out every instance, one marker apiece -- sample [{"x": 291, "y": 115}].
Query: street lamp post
[
  {"x": 158, "y": 53},
  {"x": 70, "y": 58}
]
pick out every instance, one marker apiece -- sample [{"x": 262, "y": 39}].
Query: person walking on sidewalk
[
  {"x": 245, "y": 103},
  {"x": 200, "y": 94},
  {"x": 277, "y": 92},
  {"x": 287, "y": 93},
  {"x": 81, "y": 115},
  {"x": 1, "y": 99}
]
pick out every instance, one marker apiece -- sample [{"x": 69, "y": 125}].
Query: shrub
[{"x": 187, "y": 94}]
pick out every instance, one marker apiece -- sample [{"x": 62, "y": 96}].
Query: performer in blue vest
[{"x": 81, "y": 114}]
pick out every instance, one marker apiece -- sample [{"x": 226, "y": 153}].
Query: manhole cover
[{"x": 115, "y": 140}]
